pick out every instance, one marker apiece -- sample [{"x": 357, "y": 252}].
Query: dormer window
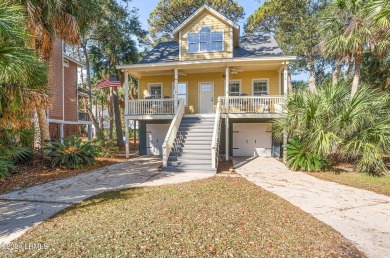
[{"x": 205, "y": 41}]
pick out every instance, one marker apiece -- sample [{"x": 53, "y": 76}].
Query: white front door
[
  {"x": 155, "y": 136},
  {"x": 252, "y": 139},
  {"x": 206, "y": 98}
]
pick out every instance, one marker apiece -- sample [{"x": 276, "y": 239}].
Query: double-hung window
[
  {"x": 260, "y": 87},
  {"x": 205, "y": 41},
  {"x": 181, "y": 92},
  {"x": 155, "y": 90},
  {"x": 234, "y": 88}
]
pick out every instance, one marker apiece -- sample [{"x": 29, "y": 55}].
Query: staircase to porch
[{"x": 191, "y": 148}]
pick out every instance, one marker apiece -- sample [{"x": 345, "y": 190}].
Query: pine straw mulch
[
  {"x": 37, "y": 172},
  {"x": 214, "y": 217}
]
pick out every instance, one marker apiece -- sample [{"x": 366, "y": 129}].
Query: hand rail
[
  {"x": 253, "y": 104},
  {"x": 150, "y": 106},
  {"x": 172, "y": 132},
  {"x": 216, "y": 135}
]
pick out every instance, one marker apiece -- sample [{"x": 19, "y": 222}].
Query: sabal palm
[
  {"x": 332, "y": 124},
  {"x": 349, "y": 26}
]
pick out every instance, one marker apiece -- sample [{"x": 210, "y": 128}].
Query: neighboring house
[
  {"x": 228, "y": 91},
  {"x": 66, "y": 115}
]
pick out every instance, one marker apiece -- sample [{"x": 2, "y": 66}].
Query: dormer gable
[{"x": 206, "y": 34}]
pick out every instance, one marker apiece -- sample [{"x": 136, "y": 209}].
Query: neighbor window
[
  {"x": 205, "y": 41},
  {"x": 155, "y": 90},
  {"x": 260, "y": 87},
  {"x": 234, "y": 88},
  {"x": 182, "y": 91}
]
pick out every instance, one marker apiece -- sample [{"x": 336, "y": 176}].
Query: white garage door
[
  {"x": 252, "y": 139},
  {"x": 155, "y": 136}
]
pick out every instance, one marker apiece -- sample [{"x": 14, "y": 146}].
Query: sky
[{"x": 145, "y": 7}]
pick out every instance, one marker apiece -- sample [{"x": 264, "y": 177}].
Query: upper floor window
[
  {"x": 205, "y": 41},
  {"x": 234, "y": 88}
]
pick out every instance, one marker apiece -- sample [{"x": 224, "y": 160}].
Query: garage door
[
  {"x": 252, "y": 139},
  {"x": 155, "y": 136}
]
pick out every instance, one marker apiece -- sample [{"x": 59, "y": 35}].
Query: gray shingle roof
[{"x": 253, "y": 46}]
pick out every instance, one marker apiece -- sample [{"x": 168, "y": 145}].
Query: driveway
[
  {"x": 361, "y": 216},
  {"x": 21, "y": 210}
]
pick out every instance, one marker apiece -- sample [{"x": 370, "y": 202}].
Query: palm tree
[
  {"x": 22, "y": 75},
  {"x": 332, "y": 124},
  {"x": 348, "y": 27}
]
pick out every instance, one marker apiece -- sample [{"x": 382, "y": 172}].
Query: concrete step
[
  {"x": 186, "y": 144},
  {"x": 208, "y": 130},
  {"x": 195, "y": 147},
  {"x": 185, "y": 163},
  {"x": 191, "y": 152},
  {"x": 192, "y": 157},
  {"x": 198, "y": 169}
]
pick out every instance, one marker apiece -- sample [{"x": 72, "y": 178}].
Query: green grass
[
  {"x": 216, "y": 217},
  {"x": 359, "y": 180}
]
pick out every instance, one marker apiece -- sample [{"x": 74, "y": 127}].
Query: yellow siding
[
  {"x": 206, "y": 19},
  {"x": 193, "y": 81}
]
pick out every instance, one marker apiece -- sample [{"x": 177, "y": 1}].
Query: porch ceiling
[{"x": 206, "y": 66}]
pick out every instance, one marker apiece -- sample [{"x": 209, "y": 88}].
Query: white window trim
[
  {"x": 260, "y": 79},
  {"x": 154, "y": 83},
  {"x": 173, "y": 90},
  {"x": 205, "y": 51},
  {"x": 239, "y": 82}
]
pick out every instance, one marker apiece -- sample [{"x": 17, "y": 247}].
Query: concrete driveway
[
  {"x": 361, "y": 216},
  {"x": 21, "y": 210}
]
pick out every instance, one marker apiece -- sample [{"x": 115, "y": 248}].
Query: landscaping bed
[
  {"x": 215, "y": 217},
  {"x": 376, "y": 184},
  {"x": 37, "y": 172}
]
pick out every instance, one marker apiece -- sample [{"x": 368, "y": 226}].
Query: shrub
[
  {"x": 5, "y": 166},
  {"x": 18, "y": 154},
  {"x": 105, "y": 148},
  {"x": 300, "y": 158},
  {"x": 72, "y": 153}
]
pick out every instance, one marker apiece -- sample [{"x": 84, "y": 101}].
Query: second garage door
[
  {"x": 252, "y": 139},
  {"x": 155, "y": 136}
]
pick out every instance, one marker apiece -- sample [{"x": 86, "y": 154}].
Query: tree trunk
[
  {"x": 99, "y": 132},
  {"x": 350, "y": 66},
  {"x": 118, "y": 123},
  {"x": 356, "y": 76},
  {"x": 111, "y": 113},
  {"x": 43, "y": 125},
  {"x": 312, "y": 78},
  {"x": 289, "y": 82},
  {"x": 336, "y": 71},
  {"x": 89, "y": 85}
]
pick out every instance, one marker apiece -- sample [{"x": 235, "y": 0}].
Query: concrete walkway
[
  {"x": 21, "y": 210},
  {"x": 361, "y": 216}
]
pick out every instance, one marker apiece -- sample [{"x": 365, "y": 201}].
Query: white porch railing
[
  {"x": 172, "y": 132},
  {"x": 253, "y": 104},
  {"x": 151, "y": 107},
  {"x": 216, "y": 136}
]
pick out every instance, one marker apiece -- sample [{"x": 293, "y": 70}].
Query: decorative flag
[{"x": 111, "y": 82}]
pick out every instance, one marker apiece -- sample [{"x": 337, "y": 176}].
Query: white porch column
[
  {"x": 227, "y": 89},
  {"x": 62, "y": 133},
  {"x": 285, "y": 77},
  {"x": 227, "y": 139},
  {"x": 126, "y": 112},
  {"x": 175, "y": 91},
  {"x": 280, "y": 81}
]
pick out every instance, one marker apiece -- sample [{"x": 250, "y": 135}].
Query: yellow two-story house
[{"x": 209, "y": 94}]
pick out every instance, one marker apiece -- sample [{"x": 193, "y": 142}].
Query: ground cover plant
[
  {"x": 333, "y": 125},
  {"x": 215, "y": 217}
]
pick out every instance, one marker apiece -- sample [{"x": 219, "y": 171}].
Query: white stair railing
[
  {"x": 172, "y": 132},
  {"x": 216, "y": 136}
]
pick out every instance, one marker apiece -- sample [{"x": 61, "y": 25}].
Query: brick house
[{"x": 66, "y": 115}]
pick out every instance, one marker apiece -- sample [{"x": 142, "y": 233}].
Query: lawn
[
  {"x": 219, "y": 216},
  {"x": 359, "y": 180}
]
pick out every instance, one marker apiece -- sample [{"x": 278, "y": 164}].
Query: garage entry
[
  {"x": 155, "y": 136},
  {"x": 252, "y": 139}
]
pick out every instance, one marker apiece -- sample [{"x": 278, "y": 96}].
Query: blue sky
[{"x": 145, "y": 7}]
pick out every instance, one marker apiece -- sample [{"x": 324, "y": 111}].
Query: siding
[
  {"x": 206, "y": 19},
  {"x": 193, "y": 81},
  {"x": 55, "y": 81},
  {"x": 70, "y": 91}
]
